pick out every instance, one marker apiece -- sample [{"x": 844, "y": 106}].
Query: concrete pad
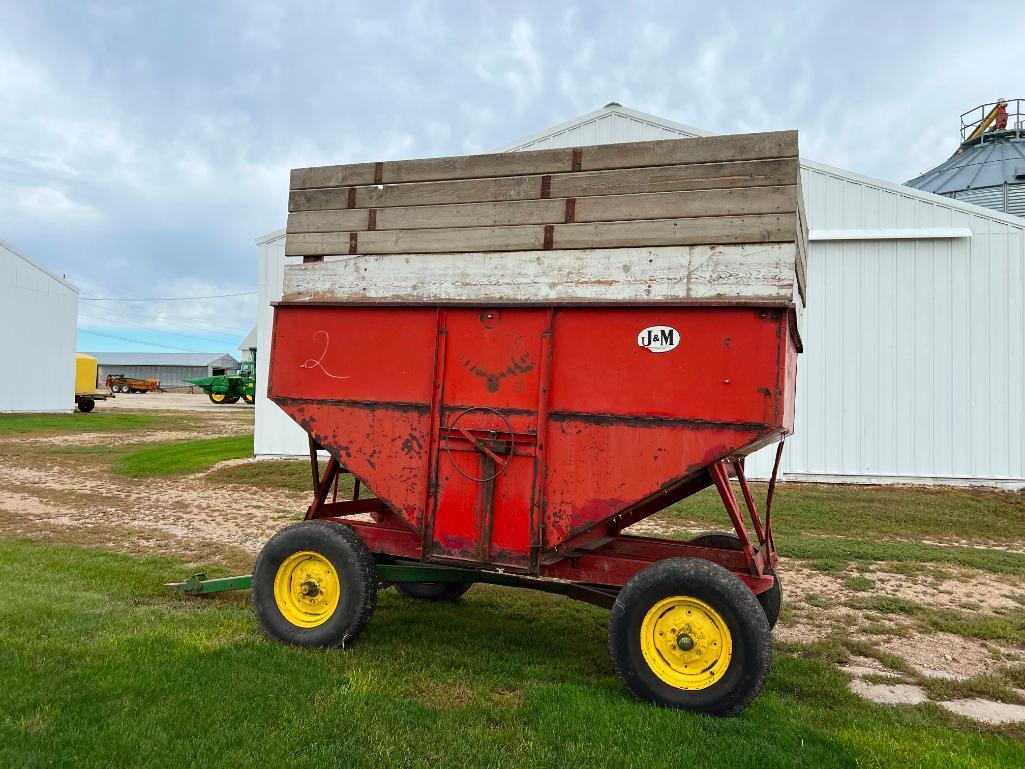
[
  {"x": 860, "y": 671},
  {"x": 987, "y": 711},
  {"x": 889, "y": 694}
]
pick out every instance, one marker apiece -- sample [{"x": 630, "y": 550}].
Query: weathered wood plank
[
  {"x": 762, "y": 273},
  {"x": 737, "y": 201},
  {"x": 697, "y": 176},
  {"x": 346, "y": 220},
  {"x": 432, "y": 217},
  {"x": 762, "y": 228},
  {"x": 416, "y": 241},
  {"x": 332, "y": 176},
  {"x": 703, "y": 149},
  {"x": 759, "y": 228},
  {"x": 755, "y": 146}
]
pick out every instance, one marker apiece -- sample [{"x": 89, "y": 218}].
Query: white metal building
[
  {"x": 247, "y": 347},
  {"x": 914, "y": 333},
  {"x": 171, "y": 368},
  {"x": 38, "y": 318}
]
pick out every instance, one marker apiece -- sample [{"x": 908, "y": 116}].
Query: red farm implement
[{"x": 512, "y": 429}]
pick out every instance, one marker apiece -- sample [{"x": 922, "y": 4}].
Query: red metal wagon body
[
  {"x": 521, "y": 356},
  {"x": 527, "y": 438}
]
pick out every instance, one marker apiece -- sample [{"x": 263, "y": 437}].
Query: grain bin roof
[
  {"x": 220, "y": 360},
  {"x": 985, "y": 165}
]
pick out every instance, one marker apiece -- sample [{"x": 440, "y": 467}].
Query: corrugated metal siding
[
  {"x": 987, "y": 197},
  {"x": 915, "y": 351},
  {"x": 1016, "y": 200},
  {"x": 169, "y": 376},
  {"x": 38, "y": 361}
]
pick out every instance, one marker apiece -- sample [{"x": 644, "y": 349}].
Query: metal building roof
[
  {"x": 610, "y": 124},
  {"x": 249, "y": 343},
  {"x": 220, "y": 360},
  {"x": 15, "y": 252},
  {"x": 989, "y": 164}
]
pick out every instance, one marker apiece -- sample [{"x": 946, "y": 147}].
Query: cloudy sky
[{"x": 143, "y": 146}]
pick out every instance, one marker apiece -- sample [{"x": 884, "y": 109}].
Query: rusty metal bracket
[
  {"x": 546, "y": 186},
  {"x": 549, "y": 236}
]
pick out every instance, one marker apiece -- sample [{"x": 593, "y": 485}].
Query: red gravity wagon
[{"x": 522, "y": 355}]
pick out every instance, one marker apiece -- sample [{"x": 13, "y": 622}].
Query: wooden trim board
[{"x": 635, "y": 275}]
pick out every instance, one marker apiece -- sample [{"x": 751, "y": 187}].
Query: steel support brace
[{"x": 722, "y": 484}]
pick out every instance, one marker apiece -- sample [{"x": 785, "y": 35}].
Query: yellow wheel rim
[
  {"x": 307, "y": 589},
  {"x": 218, "y": 397},
  {"x": 686, "y": 642}
]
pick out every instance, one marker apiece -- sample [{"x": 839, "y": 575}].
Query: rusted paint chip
[
  {"x": 378, "y": 173},
  {"x": 571, "y": 209},
  {"x": 351, "y": 202},
  {"x": 577, "y": 158},
  {"x": 546, "y": 186},
  {"x": 372, "y": 219},
  {"x": 353, "y": 242}
]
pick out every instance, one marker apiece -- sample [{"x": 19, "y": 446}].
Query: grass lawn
[
  {"x": 101, "y": 667},
  {"x": 183, "y": 457},
  {"x": 77, "y": 422},
  {"x": 278, "y": 474},
  {"x": 887, "y": 511}
]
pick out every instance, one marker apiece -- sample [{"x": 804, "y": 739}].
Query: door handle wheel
[{"x": 501, "y": 461}]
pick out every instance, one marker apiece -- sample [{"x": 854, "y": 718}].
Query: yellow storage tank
[{"x": 85, "y": 374}]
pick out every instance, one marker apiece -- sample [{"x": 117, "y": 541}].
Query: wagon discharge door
[{"x": 484, "y": 495}]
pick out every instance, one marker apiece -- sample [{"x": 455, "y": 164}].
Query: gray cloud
[{"x": 144, "y": 145}]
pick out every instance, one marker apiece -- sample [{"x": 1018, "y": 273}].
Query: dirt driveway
[{"x": 177, "y": 401}]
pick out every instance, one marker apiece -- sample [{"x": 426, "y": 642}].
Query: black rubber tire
[
  {"x": 356, "y": 571},
  {"x": 233, "y": 399},
  {"x": 752, "y": 640},
  {"x": 86, "y": 405},
  {"x": 772, "y": 599},
  {"x": 433, "y": 591},
  {"x": 249, "y": 399},
  {"x": 218, "y": 403}
]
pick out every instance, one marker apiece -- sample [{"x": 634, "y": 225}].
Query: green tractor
[{"x": 228, "y": 388}]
